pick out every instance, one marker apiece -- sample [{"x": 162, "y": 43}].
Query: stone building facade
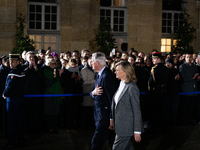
[{"x": 67, "y": 25}]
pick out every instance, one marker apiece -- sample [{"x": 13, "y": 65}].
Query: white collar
[{"x": 100, "y": 72}]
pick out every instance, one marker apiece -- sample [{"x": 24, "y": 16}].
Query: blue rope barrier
[
  {"x": 144, "y": 93},
  {"x": 56, "y": 95},
  {"x": 86, "y": 94},
  {"x": 188, "y": 93},
  {"x": 185, "y": 93}
]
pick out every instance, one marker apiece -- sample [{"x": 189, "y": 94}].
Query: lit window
[
  {"x": 45, "y": 41},
  {"x": 120, "y": 3},
  {"x": 108, "y": 3},
  {"x": 167, "y": 44},
  {"x": 50, "y": 41},
  {"x": 37, "y": 41},
  {"x": 43, "y": 16}
]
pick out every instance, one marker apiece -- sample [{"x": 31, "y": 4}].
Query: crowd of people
[{"x": 159, "y": 79}]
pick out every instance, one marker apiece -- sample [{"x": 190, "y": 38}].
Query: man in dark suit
[
  {"x": 33, "y": 107},
  {"x": 103, "y": 91}
]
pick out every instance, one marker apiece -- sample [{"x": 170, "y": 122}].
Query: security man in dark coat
[
  {"x": 4, "y": 70},
  {"x": 14, "y": 93},
  {"x": 158, "y": 87}
]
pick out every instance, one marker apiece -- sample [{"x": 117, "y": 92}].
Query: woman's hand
[
  {"x": 137, "y": 137},
  {"x": 78, "y": 78},
  {"x": 61, "y": 71},
  {"x": 73, "y": 75},
  {"x": 54, "y": 73}
]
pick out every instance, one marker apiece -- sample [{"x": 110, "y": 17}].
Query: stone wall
[
  {"x": 78, "y": 18},
  {"x": 7, "y": 25},
  {"x": 9, "y": 9},
  {"x": 144, "y": 24},
  {"x": 192, "y": 7},
  {"x": 198, "y": 27}
]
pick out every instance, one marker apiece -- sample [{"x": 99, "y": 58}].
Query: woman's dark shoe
[{"x": 7, "y": 147}]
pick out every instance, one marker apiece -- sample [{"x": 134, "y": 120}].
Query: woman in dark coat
[
  {"x": 72, "y": 85},
  {"x": 52, "y": 86},
  {"x": 145, "y": 99}
]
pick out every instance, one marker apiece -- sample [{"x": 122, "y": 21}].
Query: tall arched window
[
  {"x": 171, "y": 19},
  {"x": 43, "y": 23},
  {"x": 116, "y": 13}
]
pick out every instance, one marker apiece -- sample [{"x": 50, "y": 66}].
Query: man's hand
[
  {"x": 177, "y": 77},
  {"x": 111, "y": 127},
  {"x": 198, "y": 77},
  {"x": 33, "y": 64},
  {"x": 48, "y": 52},
  {"x": 195, "y": 75},
  {"x": 97, "y": 91}
]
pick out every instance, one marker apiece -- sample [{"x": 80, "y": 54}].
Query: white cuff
[{"x": 137, "y": 132}]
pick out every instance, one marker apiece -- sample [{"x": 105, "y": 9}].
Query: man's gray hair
[
  {"x": 100, "y": 57},
  {"x": 30, "y": 52}
]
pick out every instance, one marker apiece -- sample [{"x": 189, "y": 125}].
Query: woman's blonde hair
[{"x": 129, "y": 70}]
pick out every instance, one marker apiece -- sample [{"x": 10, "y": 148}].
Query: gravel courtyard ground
[{"x": 177, "y": 138}]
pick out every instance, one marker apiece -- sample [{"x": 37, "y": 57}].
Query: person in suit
[
  {"x": 126, "y": 117},
  {"x": 103, "y": 91}
]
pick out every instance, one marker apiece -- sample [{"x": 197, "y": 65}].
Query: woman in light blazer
[{"x": 126, "y": 117}]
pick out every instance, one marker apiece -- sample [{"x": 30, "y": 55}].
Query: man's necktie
[{"x": 97, "y": 77}]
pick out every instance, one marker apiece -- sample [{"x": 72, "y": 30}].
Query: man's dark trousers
[{"x": 15, "y": 120}]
